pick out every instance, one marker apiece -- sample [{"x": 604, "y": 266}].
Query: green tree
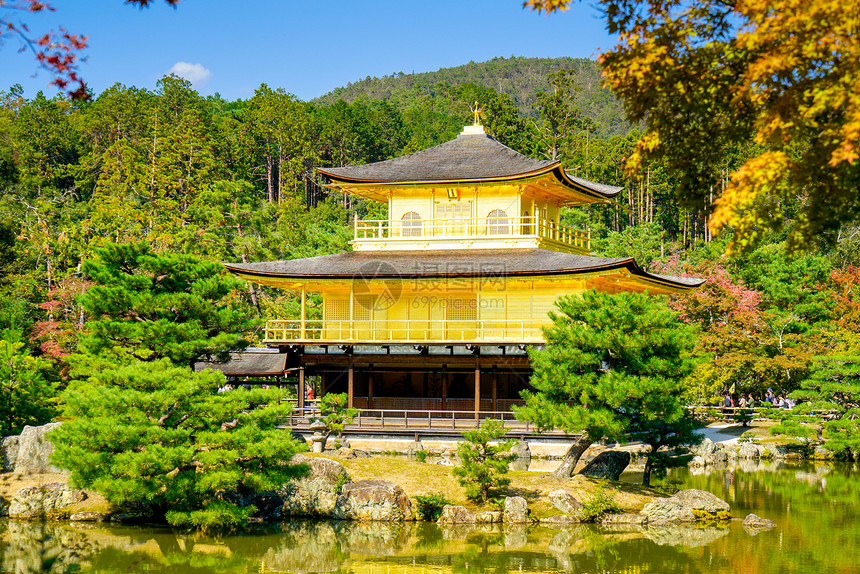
[
  {"x": 160, "y": 440},
  {"x": 827, "y": 409},
  {"x": 147, "y": 306},
  {"x": 483, "y": 463},
  {"x": 613, "y": 363},
  {"x": 561, "y": 118},
  {"x": 26, "y": 396},
  {"x": 336, "y": 414}
]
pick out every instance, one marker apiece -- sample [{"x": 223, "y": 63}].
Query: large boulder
[
  {"x": 524, "y": 455},
  {"x": 516, "y": 510},
  {"x": 625, "y": 518},
  {"x": 8, "y": 453},
  {"x": 701, "y": 500},
  {"x": 456, "y": 515},
  {"x": 373, "y": 500},
  {"x": 35, "y": 502},
  {"x": 667, "y": 511},
  {"x": 704, "y": 448},
  {"x": 716, "y": 458},
  {"x": 776, "y": 450},
  {"x": 488, "y": 517},
  {"x": 316, "y": 493},
  {"x": 608, "y": 464},
  {"x": 34, "y": 451},
  {"x": 565, "y": 502},
  {"x": 750, "y": 451}
]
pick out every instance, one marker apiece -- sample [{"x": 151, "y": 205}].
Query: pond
[{"x": 814, "y": 506}]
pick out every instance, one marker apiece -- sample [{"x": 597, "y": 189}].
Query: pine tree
[
  {"x": 160, "y": 440},
  {"x": 613, "y": 364},
  {"x": 484, "y": 463},
  {"x": 828, "y": 407},
  {"x": 147, "y": 306}
]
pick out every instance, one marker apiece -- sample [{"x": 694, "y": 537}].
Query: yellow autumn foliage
[{"x": 708, "y": 75}]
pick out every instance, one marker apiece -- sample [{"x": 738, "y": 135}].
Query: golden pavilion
[{"x": 435, "y": 306}]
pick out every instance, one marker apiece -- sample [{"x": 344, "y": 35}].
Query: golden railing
[
  {"x": 405, "y": 330},
  {"x": 488, "y": 227}
]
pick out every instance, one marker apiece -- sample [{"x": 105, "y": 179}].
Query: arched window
[
  {"x": 497, "y": 223},
  {"x": 411, "y": 224}
]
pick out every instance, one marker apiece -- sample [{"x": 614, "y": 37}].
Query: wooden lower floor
[{"x": 461, "y": 379}]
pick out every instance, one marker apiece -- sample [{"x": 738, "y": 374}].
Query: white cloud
[{"x": 197, "y": 74}]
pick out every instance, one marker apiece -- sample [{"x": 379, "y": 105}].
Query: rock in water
[
  {"x": 89, "y": 517},
  {"x": 716, "y": 458},
  {"x": 749, "y": 451},
  {"x": 608, "y": 464},
  {"x": 34, "y": 450},
  {"x": 488, "y": 517},
  {"x": 623, "y": 519},
  {"x": 704, "y": 448},
  {"x": 373, "y": 500},
  {"x": 565, "y": 502},
  {"x": 755, "y": 524},
  {"x": 34, "y": 502},
  {"x": 667, "y": 511},
  {"x": 456, "y": 515},
  {"x": 414, "y": 447},
  {"x": 701, "y": 500},
  {"x": 689, "y": 535},
  {"x": 316, "y": 493},
  {"x": 516, "y": 510}
]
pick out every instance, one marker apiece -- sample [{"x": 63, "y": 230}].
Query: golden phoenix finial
[{"x": 477, "y": 111}]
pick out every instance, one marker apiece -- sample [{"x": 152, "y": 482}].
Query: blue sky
[{"x": 305, "y": 47}]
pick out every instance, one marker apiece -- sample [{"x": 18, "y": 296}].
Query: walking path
[{"x": 723, "y": 432}]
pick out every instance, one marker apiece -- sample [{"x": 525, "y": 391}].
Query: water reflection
[{"x": 815, "y": 507}]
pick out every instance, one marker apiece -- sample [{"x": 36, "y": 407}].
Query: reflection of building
[{"x": 435, "y": 305}]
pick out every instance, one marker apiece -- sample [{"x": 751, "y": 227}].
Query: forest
[{"x": 228, "y": 181}]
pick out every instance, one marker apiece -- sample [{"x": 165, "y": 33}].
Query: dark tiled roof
[
  {"x": 466, "y": 157},
  {"x": 601, "y": 188},
  {"x": 249, "y": 362},
  {"x": 449, "y": 263}
]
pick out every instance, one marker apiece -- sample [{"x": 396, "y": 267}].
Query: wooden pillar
[
  {"x": 477, "y": 390},
  {"x": 370, "y": 388},
  {"x": 351, "y": 316},
  {"x": 495, "y": 388},
  {"x": 350, "y": 387},
  {"x": 301, "y": 390},
  {"x": 303, "y": 334},
  {"x": 444, "y": 388}
]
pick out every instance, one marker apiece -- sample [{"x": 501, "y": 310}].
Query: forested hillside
[
  {"x": 234, "y": 181},
  {"x": 520, "y": 78}
]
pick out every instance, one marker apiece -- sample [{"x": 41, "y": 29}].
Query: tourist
[
  {"x": 770, "y": 397},
  {"x": 780, "y": 402},
  {"x": 742, "y": 402},
  {"x": 751, "y": 401}
]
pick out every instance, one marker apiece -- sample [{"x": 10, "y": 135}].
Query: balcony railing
[
  {"x": 405, "y": 331},
  {"x": 489, "y": 227}
]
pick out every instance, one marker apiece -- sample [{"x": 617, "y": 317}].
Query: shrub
[
  {"x": 429, "y": 506},
  {"x": 600, "y": 503},
  {"x": 421, "y": 455},
  {"x": 484, "y": 463}
]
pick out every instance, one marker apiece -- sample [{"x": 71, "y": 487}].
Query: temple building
[{"x": 435, "y": 306}]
